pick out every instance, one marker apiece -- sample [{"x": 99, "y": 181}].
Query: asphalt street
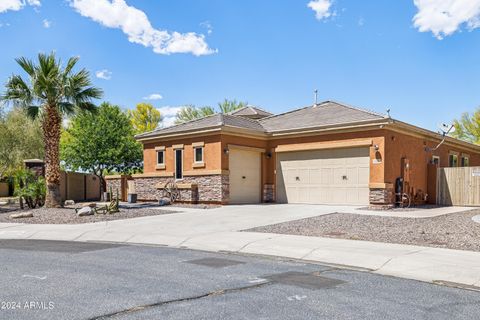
[{"x": 73, "y": 280}]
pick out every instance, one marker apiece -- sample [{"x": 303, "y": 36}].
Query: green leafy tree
[
  {"x": 51, "y": 91},
  {"x": 227, "y": 106},
  {"x": 468, "y": 127},
  {"x": 190, "y": 112},
  {"x": 21, "y": 138},
  {"x": 144, "y": 118},
  {"x": 101, "y": 142}
]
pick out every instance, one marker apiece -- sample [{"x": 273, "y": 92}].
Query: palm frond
[
  {"x": 33, "y": 111},
  {"x": 70, "y": 65},
  {"x": 18, "y": 92},
  {"x": 66, "y": 108},
  {"x": 27, "y": 65}
]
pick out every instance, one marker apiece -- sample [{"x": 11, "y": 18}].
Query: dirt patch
[
  {"x": 68, "y": 216},
  {"x": 454, "y": 231}
]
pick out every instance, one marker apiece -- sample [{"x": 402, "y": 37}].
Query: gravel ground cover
[
  {"x": 454, "y": 231},
  {"x": 68, "y": 215}
]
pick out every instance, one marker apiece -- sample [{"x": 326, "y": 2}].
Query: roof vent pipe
[{"x": 315, "y": 97}]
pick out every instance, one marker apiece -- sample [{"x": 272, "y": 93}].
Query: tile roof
[
  {"x": 214, "y": 121},
  {"x": 324, "y": 114},
  {"x": 251, "y": 111}
]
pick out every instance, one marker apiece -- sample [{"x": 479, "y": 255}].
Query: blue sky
[{"x": 418, "y": 58}]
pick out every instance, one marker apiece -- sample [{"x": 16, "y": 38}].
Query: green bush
[{"x": 30, "y": 189}]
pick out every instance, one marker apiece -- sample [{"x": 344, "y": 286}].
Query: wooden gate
[{"x": 458, "y": 186}]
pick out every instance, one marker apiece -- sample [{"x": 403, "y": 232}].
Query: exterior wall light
[
  {"x": 268, "y": 155},
  {"x": 376, "y": 147},
  {"x": 226, "y": 151}
]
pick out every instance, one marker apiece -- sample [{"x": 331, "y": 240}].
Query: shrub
[{"x": 30, "y": 189}]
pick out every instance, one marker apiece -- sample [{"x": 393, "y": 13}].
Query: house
[{"x": 328, "y": 153}]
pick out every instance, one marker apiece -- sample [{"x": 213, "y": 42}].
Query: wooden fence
[
  {"x": 79, "y": 186},
  {"x": 458, "y": 186}
]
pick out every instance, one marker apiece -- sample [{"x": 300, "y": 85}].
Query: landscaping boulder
[
  {"x": 69, "y": 203},
  {"x": 20, "y": 215},
  {"x": 85, "y": 211},
  {"x": 164, "y": 201},
  {"x": 90, "y": 205}
]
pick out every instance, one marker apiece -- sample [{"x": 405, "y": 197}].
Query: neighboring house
[{"x": 329, "y": 153}]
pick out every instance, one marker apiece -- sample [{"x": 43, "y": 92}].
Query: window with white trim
[
  {"x": 465, "y": 162},
  {"x": 198, "y": 154},
  {"x": 436, "y": 160},
  {"x": 452, "y": 160},
  {"x": 160, "y": 157}
]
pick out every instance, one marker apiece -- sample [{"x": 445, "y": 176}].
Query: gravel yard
[
  {"x": 454, "y": 231},
  {"x": 68, "y": 216}
]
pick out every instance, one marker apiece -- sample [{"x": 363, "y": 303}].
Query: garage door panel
[
  {"x": 321, "y": 176},
  {"x": 327, "y": 176}
]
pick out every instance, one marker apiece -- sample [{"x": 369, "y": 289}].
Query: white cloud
[
  {"x": 135, "y": 24},
  {"x": 445, "y": 17},
  {"x": 361, "y": 22},
  {"x": 153, "y": 96},
  {"x": 169, "y": 115},
  {"x": 207, "y": 25},
  {"x": 46, "y": 23},
  {"x": 104, "y": 74},
  {"x": 321, "y": 8},
  {"x": 15, "y": 5}
]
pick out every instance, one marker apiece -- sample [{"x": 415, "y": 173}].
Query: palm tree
[{"x": 51, "y": 92}]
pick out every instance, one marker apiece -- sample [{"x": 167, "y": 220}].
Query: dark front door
[{"x": 178, "y": 164}]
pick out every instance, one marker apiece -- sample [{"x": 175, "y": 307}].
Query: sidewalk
[{"x": 183, "y": 230}]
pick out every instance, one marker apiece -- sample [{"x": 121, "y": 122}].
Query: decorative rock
[
  {"x": 3, "y": 203},
  {"x": 90, "y": 205},
  {"x": 85, "y": 211},
  {"x": 27, "y": 214},
  {"x": 164, "y": 202},
  {"x": 476, "y": 218},
  {"x": 69, "y": 203}
]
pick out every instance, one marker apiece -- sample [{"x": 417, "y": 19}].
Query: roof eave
[
  {"x": 434, "y": 135},
  {"x": 332, "y": 127},
  {"x": 179, "y": 134}
]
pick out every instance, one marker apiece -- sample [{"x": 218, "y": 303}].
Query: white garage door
[
  {"x": 334, "y": 176},
  {"x": 245, "y": 176}
]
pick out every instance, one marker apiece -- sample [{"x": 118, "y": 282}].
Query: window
[
  {"x": 465, "y": 161},
  {"x": 436, "y": 160},
  {"x": 160, "y": 157},
  {"x": 178, "y": 164},
  {"x": 198, "y": 154},
  {"x": 453, "y": 160}
]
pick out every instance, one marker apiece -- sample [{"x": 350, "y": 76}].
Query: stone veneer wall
[
  {"x": 211, "y": 188},
  {"x": 115, "y": 184},
  {"x": 382, "y": 197},
  {"x": 268, "y": 193}
]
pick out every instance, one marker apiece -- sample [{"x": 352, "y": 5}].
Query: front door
[{"x": 179, "y": 164}]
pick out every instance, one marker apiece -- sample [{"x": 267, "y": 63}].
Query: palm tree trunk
[{"x": 51, "y": 136}]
